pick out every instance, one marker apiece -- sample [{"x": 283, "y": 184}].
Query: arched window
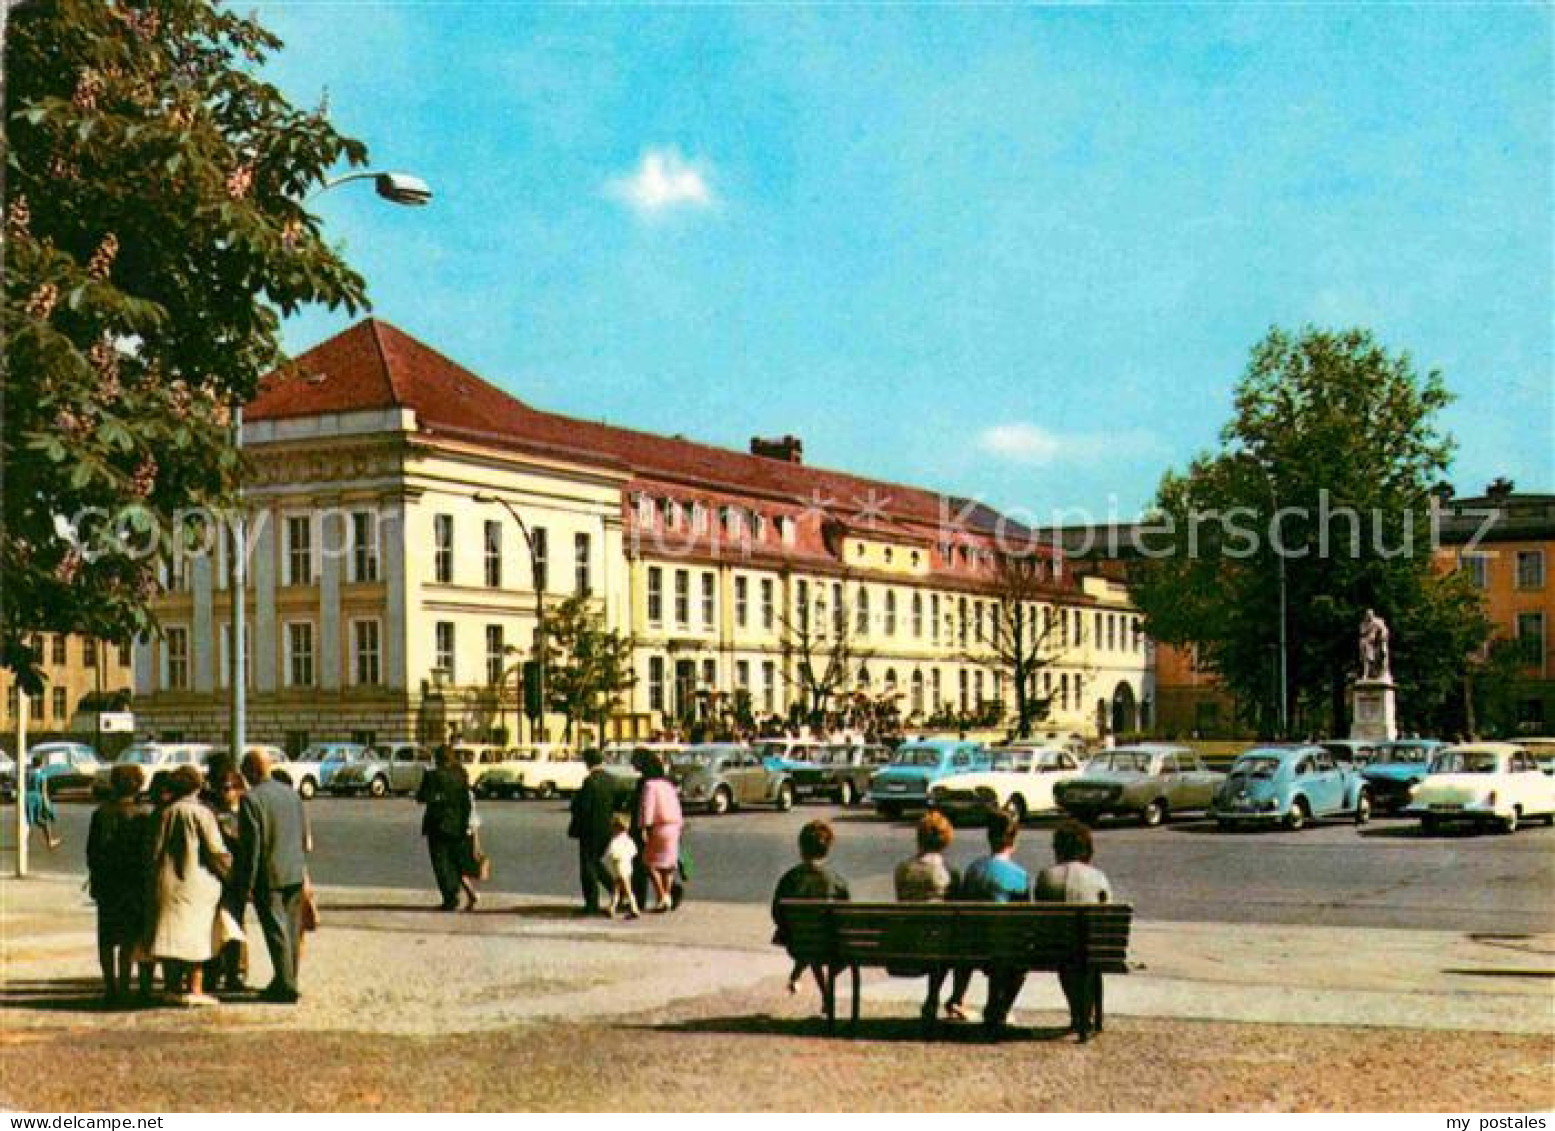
[
  {"x": 917, "y": 615},
  {"x": 861, "y": 612},
  {"x": 890, "y": 612},
  {"x": 916, "y": 700},
  {"x": 935, "y": 689},
  {"x": 863, "y": 676},
  {"x": 890, "y": 681}
]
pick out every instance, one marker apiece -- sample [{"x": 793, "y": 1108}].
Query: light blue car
[
  {"x": 1291, "y": 786},
  {"x": 904, "y": 784}
]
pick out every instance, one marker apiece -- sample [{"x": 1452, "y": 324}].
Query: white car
[
  {"x": 281, "y": 767},
  {"x": 156, "y": 759},
  {"x": 1020, "y": 782},
  {"x": 1483, "y": 783},
  {"x": 542, "y": 770}
]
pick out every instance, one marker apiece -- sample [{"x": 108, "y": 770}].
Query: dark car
[
  {"x": 841, "y": 772},
  {"x": 1396, "y": 768},
  {"x": 1150, "y": 781}
]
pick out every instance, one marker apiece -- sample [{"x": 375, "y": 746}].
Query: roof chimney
[{"x": 789, "y": 449}]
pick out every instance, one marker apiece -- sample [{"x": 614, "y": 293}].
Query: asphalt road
[{"x": 1384, "y": 875}]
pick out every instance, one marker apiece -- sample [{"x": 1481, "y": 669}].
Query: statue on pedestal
[{"x": 1374, "y": 648}]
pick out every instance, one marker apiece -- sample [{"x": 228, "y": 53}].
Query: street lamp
[
  {"x": 1277, "y": 544},
  {"x": 397, "y": 188},
  {"x": 538, "y": 576}
]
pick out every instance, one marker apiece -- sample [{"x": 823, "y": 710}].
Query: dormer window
[
  {"x": 671, "y": 511},
  {"x": 698, "y": 517},
  {"x": 785, "y": 526},
  {"x": 758, "y": 526},
  {"x": 645, "y": 510}
]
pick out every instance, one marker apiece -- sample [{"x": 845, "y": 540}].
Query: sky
[{"x": 1014, "y": 253}]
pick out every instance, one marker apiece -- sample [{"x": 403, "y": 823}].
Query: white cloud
[
  {"x": 1028, "y": 443},
  {"x": 663, "y": 182}
]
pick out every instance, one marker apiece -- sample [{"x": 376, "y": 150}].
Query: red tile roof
[{"x": 373, "y": 365}]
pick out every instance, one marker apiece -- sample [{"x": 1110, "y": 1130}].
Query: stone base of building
[{"x": 1373, "y": 710}]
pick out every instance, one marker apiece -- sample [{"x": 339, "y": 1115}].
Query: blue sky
[{"x": 1016, "y": 253}]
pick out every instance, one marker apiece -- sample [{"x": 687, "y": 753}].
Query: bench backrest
[{"x": 1031, "y": 936}]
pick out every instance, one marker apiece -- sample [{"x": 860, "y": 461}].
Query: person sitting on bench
[{"x": 1074, "y": 880}]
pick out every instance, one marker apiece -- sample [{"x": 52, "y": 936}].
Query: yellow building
[
  {"x": 391, "y": 589},
  {"x": 74, "y": 667},
  {"x": 1506, "y": 543}
]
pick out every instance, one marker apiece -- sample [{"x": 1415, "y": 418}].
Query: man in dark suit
[
  {"x": 592, "y": 807},
  {"x": 445, "y": 791},
  {"x": 272, "y": 870}
]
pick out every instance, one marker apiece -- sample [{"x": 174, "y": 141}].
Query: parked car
[
  {"x": 1290, "y": 785},
  {"x": 7, "y": 777},
  {"x": 623, "y": 775},
  {"x": 1352, "y": 751},
  {"x": 477, "y": 758},
  {"x": 1483, "y": 783},
  {"x": 156, "y": 759},
  {"x": 390, "y": 767},
  {"x": 1019, "y": 780},
  {"x": 1397, "y": 766},
  {"x": 542, "y": 770},
  {"x": 904, "y": 783},
  {"x": 282, "y": 769},
  {"x": 67, "y": 767},
  {"x": 321, "y": 761},
  {"x": 1152, "y": 781},
  {"x": 1542, "y": 750},
  {"x": 789, "y": 753},
  {"x": 839, "y": 772},
  {"x": 720, "y": 777}
]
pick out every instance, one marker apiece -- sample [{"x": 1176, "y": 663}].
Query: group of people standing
[
  {"x": 993, "y": 878},
  {"x": 173, "y": 878},
  {"x": 628, "y": 854}
]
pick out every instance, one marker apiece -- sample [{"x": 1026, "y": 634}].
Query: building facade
[
  {"x": 406, "y": 520},
  {"x": 77, "y": 670}
]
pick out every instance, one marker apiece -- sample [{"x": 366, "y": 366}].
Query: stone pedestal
[{"x": 1373, "y": 710}]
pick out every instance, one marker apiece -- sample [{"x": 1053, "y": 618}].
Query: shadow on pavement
[
  {"x": 61, "y": 995},
  {"x": 891, "y": 1029}
]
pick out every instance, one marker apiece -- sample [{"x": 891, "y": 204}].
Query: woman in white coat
[{"x": 190, "y": 862}]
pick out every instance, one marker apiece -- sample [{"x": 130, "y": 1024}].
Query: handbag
[
  {"x": 475, "y": 864},
  {"x": 308, "y": 909}
]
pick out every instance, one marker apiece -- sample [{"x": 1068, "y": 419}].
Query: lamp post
[
  {"x": 538, "y": 576},
  {"x": 1277, "y": 544},
  {"x": 397, "y": 188}
]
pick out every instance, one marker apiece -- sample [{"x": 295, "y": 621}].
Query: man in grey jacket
[{"x": 272, "y": 870}]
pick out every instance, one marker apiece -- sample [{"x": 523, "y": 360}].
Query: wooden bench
[{"x": 1021, "y": 937}]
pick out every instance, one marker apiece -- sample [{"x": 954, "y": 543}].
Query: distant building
[
  {"x": 386, "y": 601},
  {"x": 1505, "y": 542},
  {"x": 75, "y": 668}
]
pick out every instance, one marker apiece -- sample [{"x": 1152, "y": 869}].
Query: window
[
  {"x": 710, "y": 673},
  {"x": 768, "y": 686},
  {"x": 299, "y": 551},
  {"x": 443, "y": 654},
  {"x": 979, "y": 689},
  {"x": 698, "y": 518},
  {"x": 655, "y": 595},
  {"x": 443, "y": 548},
  {"x": 299, "y": 654},
  {"x": 962, "y": 677},
  {"x": 785, "y": 527},
  {"x": 656, "y": 683},
  {"x": 839, "y": 611},
  {"x": 802, "y": 604},
  {"x": 1063, "y": 691},
  {"x": 961, "y": 628},
  {"x": 1476, "y": 566},
  {"x": 917, "y": 615},
  {"x": 916, "y": 700},
  {"x": 1530, "y": 638},
  {"x": 364, "y": 546},
  {"x": 365, "y": 653},
  {"x": 741, "y": 601},
  {"x": 977, "y": 622},
  {"x": 59, "y": 704},
  {"x": 768, "y": 606},
  {"x": 645, "y": 510},
  {"x": 742, "y": 676},
  {"x": 861, "y": 613},
  {"x": 493, "y": 554},
  {"x": 582, "y": 565},
  {"x": 670, "y": 509},
  {"x": 758, "y": 526},
  {"x": 1530, "y": 569},
  {"x": 57, "y": 648},
  {"x": 682, "y": 598},
  {"x": 934, "y": 622},
  {"x": 709, "y": 600},
  {"x": 88, "y": 653},
  {"x": 729, "y": 521},
  {"x": 935, "y": 689},
  {"x": 540, "y": 547},
  {"x": 177, "y": 646},
  {"x": 496, "y": 652},
  {"x": 890, "y": 612}
]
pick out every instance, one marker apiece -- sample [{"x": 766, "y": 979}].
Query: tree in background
[
  {"x": 1023, "y": 634},
  {"x": 824, "y": 654},
  {"x": 155, "y": 233},
  {"x": 588, "y": 667},
  {"x": 1332, "y": 454}
]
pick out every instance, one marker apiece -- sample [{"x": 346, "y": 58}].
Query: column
[
  {"x": 203, "y": 640},
  {"x": 262, "y": 570},
  {"x": 392, "y": 536}
]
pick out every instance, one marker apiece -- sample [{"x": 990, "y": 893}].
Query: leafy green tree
[
  {"x": 1330, "y": 457},
  {"x": 156, "y": 231},
  {"x": 588, "y": 666}
]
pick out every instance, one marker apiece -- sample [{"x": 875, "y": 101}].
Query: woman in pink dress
[{"x": 659, "y": 818}]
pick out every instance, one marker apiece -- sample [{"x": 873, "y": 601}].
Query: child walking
[{"x": 619, "y": 854}]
